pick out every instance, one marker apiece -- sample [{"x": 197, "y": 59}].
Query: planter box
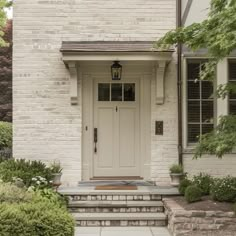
[{"x": 183, "y": 222}]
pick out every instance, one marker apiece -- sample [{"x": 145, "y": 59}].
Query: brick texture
[{"x": 46, "y": 126}]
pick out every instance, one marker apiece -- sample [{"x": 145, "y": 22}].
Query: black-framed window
[
  {"x": 232, "y": 79},
  {"x": 200, "y": 102}
]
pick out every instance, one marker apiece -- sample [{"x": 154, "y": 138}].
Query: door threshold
[{"x": 117, "y": 178}]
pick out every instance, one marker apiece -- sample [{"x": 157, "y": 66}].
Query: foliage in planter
[
  {"x": 224, "y": 189},
  {"x": 203, "y": 181},
  {"x": 25, "y": 170},
  {"x": 5, "y": 135},
  {"x": 193, "y": 194},
  {"x": 38, "y": 218},
  {"x": 176, "y": 169},
  {"x": 10, "y": 193},
  {"x": 184, "y": 183}
]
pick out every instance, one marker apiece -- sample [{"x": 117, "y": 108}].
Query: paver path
[{"x": 121, "y": 231}]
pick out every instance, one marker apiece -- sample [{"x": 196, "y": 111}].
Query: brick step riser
[
  {"x": 115, "y": 198},
  {"x": 115, "y": 209},
  {"x": 123, "y": 223}
]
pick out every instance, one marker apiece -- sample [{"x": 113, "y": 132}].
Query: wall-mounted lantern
[{"x": 116, "y": 71}]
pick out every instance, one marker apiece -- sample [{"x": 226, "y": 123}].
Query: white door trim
[{"x": 87, "y": 121}]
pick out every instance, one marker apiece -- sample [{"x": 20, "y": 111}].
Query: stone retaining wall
[{"x": 183, "y": 222}]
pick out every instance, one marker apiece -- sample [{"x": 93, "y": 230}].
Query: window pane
[
  {"x": 193, "y": 133},
  {"x": 103, "y": 92},
  {"x": 194, "y": 111},
  {"x": 116, "y": 92},
  {"x": 207, "y": 90},
  {"x": 193, "y": 71},
  {"x": 193, "y": 90},
  {"x": 129, "y": 92},
  {"x": 207, "y": 112},
  {"x": 232, "y": 95},
  {"x": 232, "y": 107},
  {"x": 207, "y": 128},
  {"x": 232, "y": 70}
]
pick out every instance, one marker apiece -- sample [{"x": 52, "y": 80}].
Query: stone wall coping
[{"x": 174, "y": 208}]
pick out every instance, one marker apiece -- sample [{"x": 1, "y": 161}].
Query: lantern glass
[{"x": 116, "y": 71}]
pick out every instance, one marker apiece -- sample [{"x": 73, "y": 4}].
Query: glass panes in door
[{"x": 121, "y": 92}]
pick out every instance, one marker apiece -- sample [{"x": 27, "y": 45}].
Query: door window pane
[
  {"x": 104, "y": 92},
  {"x": 116, "y": 92},
  {"x": 129, "y": 92}
]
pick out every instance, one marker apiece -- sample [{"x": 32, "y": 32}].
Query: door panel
[
  {"x": 105, "y": 138},
  {"x": 127, "y": 137}
]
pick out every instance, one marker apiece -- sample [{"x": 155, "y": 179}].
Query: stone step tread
[
  {"x": 119, "y": 216},
  {"x": 115, "y": 204}
]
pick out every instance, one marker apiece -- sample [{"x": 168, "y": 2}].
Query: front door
[{"x": 116, "y": 128}]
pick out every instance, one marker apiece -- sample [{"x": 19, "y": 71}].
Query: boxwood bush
[
  {"x": 40, "y": 218},
  {"x": 224, "y": 189},
  {"x": 193, "y": 194},
  {"x": 203, "y": 181},
  {"x": 35, "y": 213},
  {"x": 184, "y": 183},
  {"x": 25, "y": 170}
]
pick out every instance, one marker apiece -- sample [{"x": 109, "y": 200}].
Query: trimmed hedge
[
  {"x": 193, "y": 194},
  {"x": 35, "y": 219},
  {"x": 184, "y": 183}
]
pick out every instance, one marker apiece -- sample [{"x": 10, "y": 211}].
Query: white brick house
[{"x": 68, "y": 108}]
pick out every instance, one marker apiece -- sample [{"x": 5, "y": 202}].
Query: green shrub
[
  {"x": 5, "y": 135},
  {"x": 176, "y": 169},
  {"x": 224, "y": 189},
  {"x": 51, "y": 196},
  {"x": 12, "y": 194},
  {"x": 25, "y": 170},
  {"x": 203, "y": 181},
  {"x": 193, "y": 194},
  {"x": 184, "y": 183},
  {"x": 35, "y": 219}
]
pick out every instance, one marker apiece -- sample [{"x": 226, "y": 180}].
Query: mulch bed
[{"x": 207, "y": 204}]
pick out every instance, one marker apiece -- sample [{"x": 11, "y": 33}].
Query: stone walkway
[{"x": 121, "y": 231}]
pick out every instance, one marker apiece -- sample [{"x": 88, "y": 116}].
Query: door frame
[{"x": 88, "y": 122}]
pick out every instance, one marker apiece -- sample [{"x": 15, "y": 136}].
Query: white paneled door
[{"x": 116, "y": 128}]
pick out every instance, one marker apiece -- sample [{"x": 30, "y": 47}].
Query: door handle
[{"x": 95, "y": 138}]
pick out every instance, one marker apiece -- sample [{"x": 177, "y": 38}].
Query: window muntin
[
  {"x": 232, "y": 79},
  {"x": 200, "y": 102}
]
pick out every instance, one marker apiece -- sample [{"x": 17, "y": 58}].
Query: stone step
[
  {"x": 114, "y": 197},
  {"x": 120, "y": 219},
  {"x": 116, "y": 206}
]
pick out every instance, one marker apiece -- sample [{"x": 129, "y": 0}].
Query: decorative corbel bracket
[
  {"x": 73, "y": 83},
  {"x": 160, "y": 82}
]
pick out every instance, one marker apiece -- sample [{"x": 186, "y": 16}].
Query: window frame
[
  {"x": 228, "y": 80},
  {"x": 186, "y": 143}
]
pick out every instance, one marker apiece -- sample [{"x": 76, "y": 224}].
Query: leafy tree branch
[{"x": 217, "y": 34}]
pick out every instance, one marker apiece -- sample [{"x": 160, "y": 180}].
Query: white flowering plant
[{"x": 39, "y": 182}]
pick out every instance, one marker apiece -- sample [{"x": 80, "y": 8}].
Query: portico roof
[{"x": 110, "y": 46}]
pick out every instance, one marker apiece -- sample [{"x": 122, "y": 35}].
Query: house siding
[{"x": 46, "y": 126}]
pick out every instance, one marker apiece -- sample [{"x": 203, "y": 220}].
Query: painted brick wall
[{"x": 46, "y": 126}]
